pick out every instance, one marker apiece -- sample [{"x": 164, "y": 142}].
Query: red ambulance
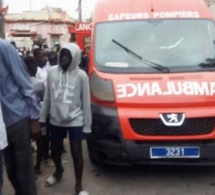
[
  {"x": 81, "y": 33},
  {"x": 152, "y": 79}
]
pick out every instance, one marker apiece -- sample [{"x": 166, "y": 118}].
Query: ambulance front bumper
[{"x": 106, "y": 144}]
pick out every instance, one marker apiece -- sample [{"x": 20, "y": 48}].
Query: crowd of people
[{"x": 44, "y": 96}]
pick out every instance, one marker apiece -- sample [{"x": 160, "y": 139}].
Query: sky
[{"x": 70, "y": 6}]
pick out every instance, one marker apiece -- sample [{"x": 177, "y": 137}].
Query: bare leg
[
  {"x": 56, "y": 151},
  {"x": 76, "y": 151}
]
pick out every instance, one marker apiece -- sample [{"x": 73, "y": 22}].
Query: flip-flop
[
  {"x": 83, "y": 193},
  {"x": 51, "y": 181}
]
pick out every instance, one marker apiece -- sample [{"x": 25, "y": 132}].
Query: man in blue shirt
[{"x": 20, "y": 114}]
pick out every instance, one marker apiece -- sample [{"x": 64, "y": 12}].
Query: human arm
[
  {"x": 41, "y": 91},
  {"x": 46, "y": 102},
  {"x": 86, "y": 105}
]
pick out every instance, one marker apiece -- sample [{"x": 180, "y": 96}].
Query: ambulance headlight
[{"x": 101, "y": 89}]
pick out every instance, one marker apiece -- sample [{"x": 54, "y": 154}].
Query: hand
[
  {"x": 35, "y": 129},
  {"x": 85, "y": 135}
]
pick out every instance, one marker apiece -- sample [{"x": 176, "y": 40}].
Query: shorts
[{"x": 60, "y": 133}]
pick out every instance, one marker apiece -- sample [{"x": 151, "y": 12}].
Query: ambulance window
[
  {"x": 211, "y": 31},
  {"x": 87, "y": 41},
  {"x": 177, "y": 44}
]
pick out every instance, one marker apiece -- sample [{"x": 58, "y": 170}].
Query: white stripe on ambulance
[{"x": 171, "y": 88}]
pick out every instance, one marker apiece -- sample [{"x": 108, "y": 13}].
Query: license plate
[{"x": 174, "y": 152}]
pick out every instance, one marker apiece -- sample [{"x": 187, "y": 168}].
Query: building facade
[{"x": 48, "y": 26}]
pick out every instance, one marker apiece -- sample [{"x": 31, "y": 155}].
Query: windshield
[{"x": 179, "y": 45}]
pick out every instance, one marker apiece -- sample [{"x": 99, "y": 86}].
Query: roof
[{"x": 46, "y": 14}]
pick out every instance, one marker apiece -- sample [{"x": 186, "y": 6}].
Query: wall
[{"x": 45, "y": 29}]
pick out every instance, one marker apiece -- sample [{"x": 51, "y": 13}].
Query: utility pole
[
  {"x": 80, "y": 10},
  {"x": 2, "y": 33}
]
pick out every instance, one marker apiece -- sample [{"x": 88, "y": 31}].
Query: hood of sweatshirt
[{"x": 75, "y": 53}]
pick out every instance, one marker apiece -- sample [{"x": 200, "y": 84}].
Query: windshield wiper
[{"x": 147, "y": 62}]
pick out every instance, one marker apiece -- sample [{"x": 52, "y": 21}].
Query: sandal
[
  {"x": 83, "y": 193},
  {"x": 51, "y": 181}
]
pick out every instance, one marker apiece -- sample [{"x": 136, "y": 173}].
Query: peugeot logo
[{"x": 172, "y": 119}]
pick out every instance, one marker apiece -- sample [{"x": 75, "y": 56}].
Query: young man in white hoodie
[{"x": 67, "y": 102}]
